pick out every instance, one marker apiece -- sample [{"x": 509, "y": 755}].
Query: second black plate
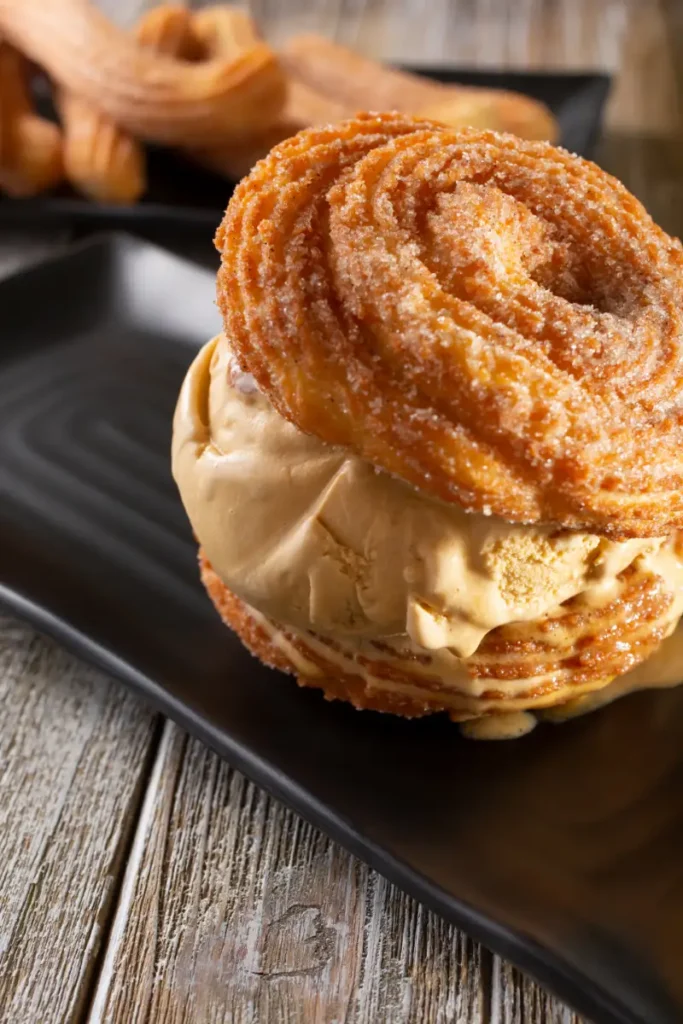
[{"x": 562, "y": 851}]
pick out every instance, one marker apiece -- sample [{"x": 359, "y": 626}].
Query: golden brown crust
[
  {"x": 101, "y": 160},
  {"x": 572, "y": 652},
  {"x": 237, "y": 616},
  {"x": 497, "y": 322}
]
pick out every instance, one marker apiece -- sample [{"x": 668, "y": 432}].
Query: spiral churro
[
  {"x": 223, "y": 32},
  {"x": 518, "y": 667},
  {"x": 106, "y": 162},
  {"x": 304, "y": 107},
  {"x": 432, "y": 463},
  {"x": 385, "y": 280},
  {"x": 207, "y": 83}
]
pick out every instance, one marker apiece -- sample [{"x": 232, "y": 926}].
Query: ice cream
[{"x": 314, "y": 537}]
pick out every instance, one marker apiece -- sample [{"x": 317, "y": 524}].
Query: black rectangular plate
[
  {"x": 183, "y": 203},
  {"x": 562, "y": 851}
]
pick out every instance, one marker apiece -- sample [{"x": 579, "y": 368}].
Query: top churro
[{"x": 495, "y": 321}]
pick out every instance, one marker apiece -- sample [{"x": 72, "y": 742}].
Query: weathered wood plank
[
  {"x": 517, "y": 1000},
  {"x": 644, "y": 98},
  {"x": 520, "y": 34},
  {"x": 73, "y": 757},
  {"x": 233, "y": 909}
]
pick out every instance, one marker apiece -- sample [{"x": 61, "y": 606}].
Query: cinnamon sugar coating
[{"x": 496, "y": 322}]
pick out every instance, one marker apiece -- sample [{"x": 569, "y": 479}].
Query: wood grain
[
  {"x": 536, "y": 34},
  {"x": 642, "y": 143},
  {"x": 73, "y": 752},
  {"x": 515, "y": 999},
  {"x": 644, "y": 101},
  {"x": 233, "y": 909}
]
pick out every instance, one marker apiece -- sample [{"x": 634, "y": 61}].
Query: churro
[
  {"x": 387, "y": 279},
  {"x": 102, "y": 160},
  {"x": 328, "y": 82},
  {"x": 528, "y": 666},
  {"x": 30, "y": 146},
  {"x": 153, "y": 96},
  {"x": 357, "y": 82}
]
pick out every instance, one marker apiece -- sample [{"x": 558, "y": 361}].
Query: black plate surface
[
  {"x": 183, "y": 203},
  {"x": 563, "y": 851}
]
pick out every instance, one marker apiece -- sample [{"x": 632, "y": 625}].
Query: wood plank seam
[
  {"x": 119, "y": 917},
  {"x": 123, "y": 857}
]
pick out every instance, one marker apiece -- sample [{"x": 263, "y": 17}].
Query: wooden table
[{"x": 141, "y": 878}]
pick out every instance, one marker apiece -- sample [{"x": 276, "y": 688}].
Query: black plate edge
[
  {"x": 584, "y": 76},
  {"x": 551, "y": 972}
]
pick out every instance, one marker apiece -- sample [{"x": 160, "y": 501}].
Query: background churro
[
  {"x": 206, "y": 83},
  {"x": 102, "y": 160},
  {"x": 358, "y": 83},
  {"x": 158, "y": 98},
  {"x": 30, "y": 146}
]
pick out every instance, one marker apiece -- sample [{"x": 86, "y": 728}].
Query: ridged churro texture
[
  {"x": 522, "y": 666},
  {"x": 315, "y": 537},
  {"x": 151, "y": 95},
  {"x": 497, "y": 322}
]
